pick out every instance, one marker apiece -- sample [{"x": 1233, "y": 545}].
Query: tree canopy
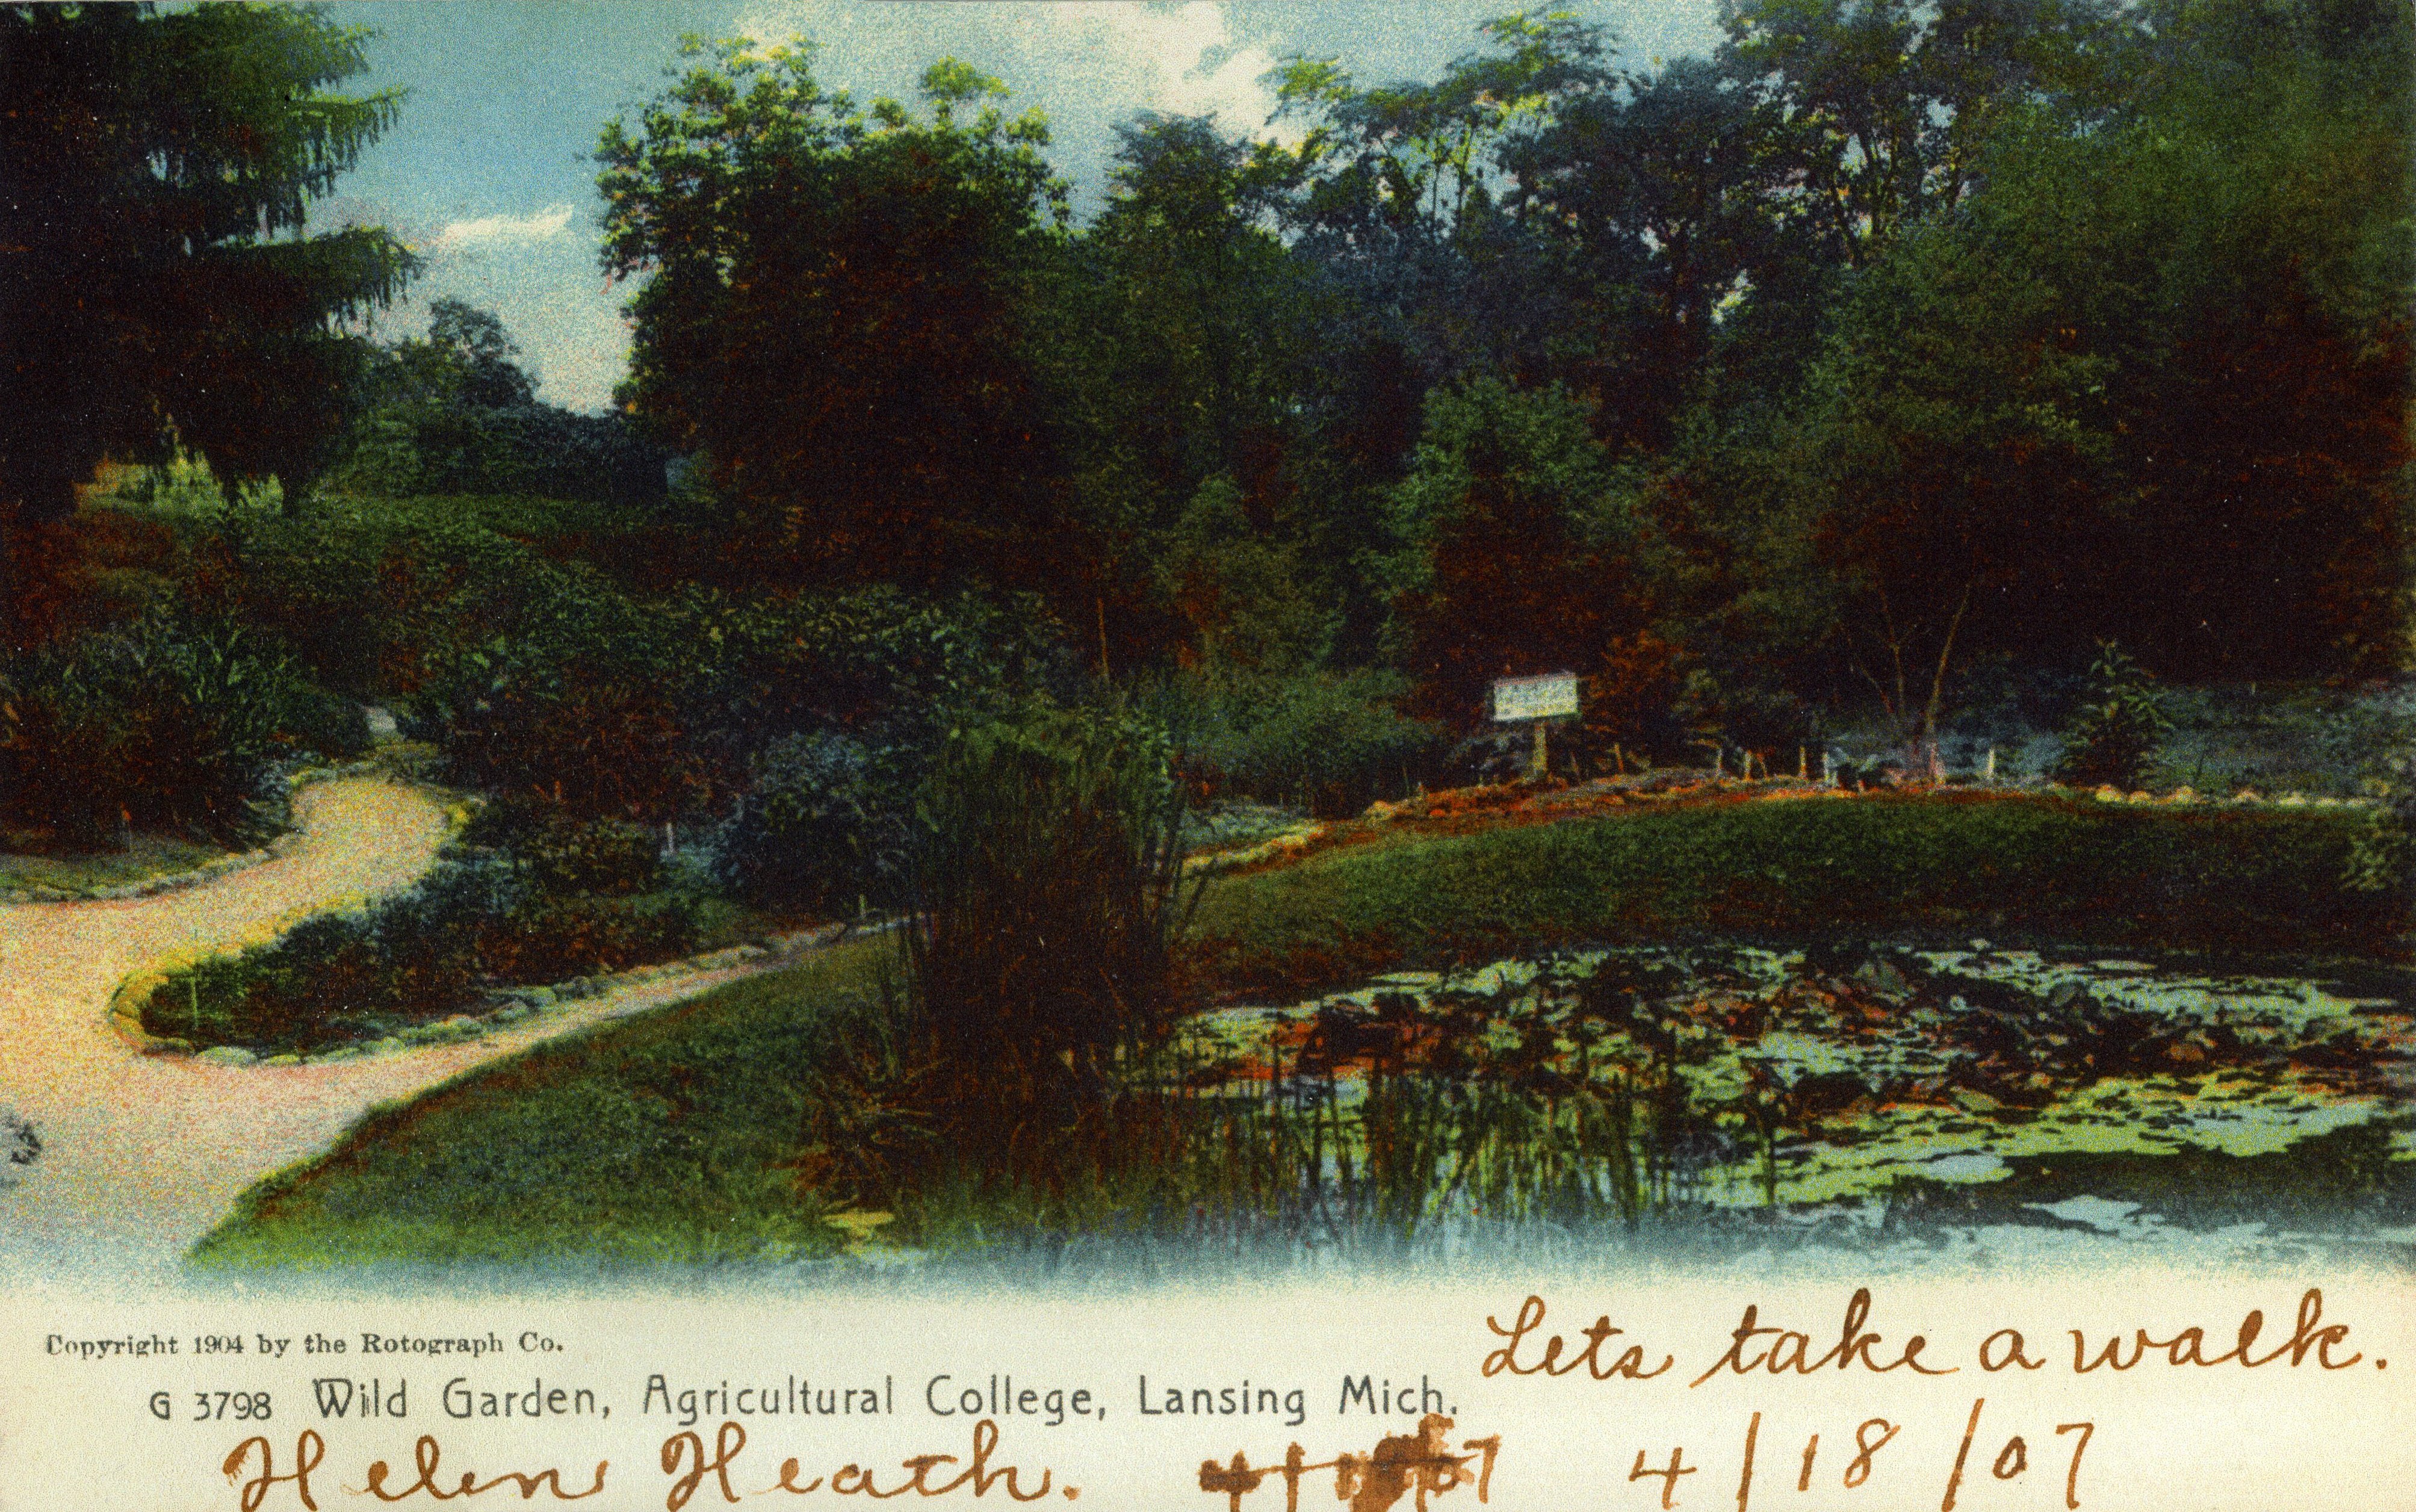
[
  {"x": 158, "y": 282},
  {"x": 835, "y": 310}
]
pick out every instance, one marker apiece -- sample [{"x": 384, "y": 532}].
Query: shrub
[
  {"x": 611, "y": 705},
  {"x": 2382, "y": 854},
  {"x": 1329, "y": 741},
  {"x": 371, "y": 602},
  {"x": 577, "y": 702},
  {"x": 331, "y": 724},
  {"x": 2117, "y": 727},
  {"x": 569, "y": 856},
  {"x": 419, "y": 449},
  {"x": 824, "y": 824},
  {"x": 1046, "y": 899},
  {"x": 478, "y": 921},
  {"x": 869, "y": 660},
  {"x": 169, "y": 722}
]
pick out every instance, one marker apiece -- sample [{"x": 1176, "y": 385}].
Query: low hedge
[
  {"x": 1942, "y": 865},
  {"x": 476, "y": 922}
]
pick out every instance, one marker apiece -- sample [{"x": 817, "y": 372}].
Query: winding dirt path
[{"x": 143, "y": 1154}]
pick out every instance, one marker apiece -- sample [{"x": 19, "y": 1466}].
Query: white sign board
[{"x": 1535, "y": 698}]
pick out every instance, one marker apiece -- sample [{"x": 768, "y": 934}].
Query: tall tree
[
  {"x": 1886, "y": 103},
  {"x": 1190, "y": 336},
  {"x": 1399, "y": 186},
  {"x": 156, "y": 281},
  {"x": 1513, "y": 546},
  {"x": 833, "y": 307},
  {"x": 1661, "y": 202}
]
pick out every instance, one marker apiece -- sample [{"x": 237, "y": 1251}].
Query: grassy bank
[
  {"x": 1931, "y": 867},
  {"x": 660, "y": 1139}
]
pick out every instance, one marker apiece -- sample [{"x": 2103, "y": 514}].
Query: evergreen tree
[{"x": 156, "y": 281}]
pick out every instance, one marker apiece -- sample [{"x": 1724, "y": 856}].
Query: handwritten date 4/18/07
[
  {"x": 1863, "y": 1458},
  {"x": 1418, "y": 1467}
]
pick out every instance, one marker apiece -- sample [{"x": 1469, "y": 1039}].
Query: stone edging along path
[{"x": 511, "y": 1009}]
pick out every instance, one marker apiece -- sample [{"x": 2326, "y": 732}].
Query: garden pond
[{"x": 1852, "y": 1087}]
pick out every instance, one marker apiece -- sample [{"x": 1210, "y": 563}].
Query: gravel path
[{"x": 144, "y": 1154}]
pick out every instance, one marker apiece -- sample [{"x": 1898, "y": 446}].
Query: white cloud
[
  {"x": 1186, "y": 56},
  {"x": 506, "y": 231},
  {"x": 1089, "y": 67}
]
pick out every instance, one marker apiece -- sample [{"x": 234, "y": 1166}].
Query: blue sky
[{"x": 489, "y": 173}]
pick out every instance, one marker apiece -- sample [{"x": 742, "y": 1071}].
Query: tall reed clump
[{"x": 1047, "y": 896}]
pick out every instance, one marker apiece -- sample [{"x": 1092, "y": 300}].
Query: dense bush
[
  {"x": 580, "y": 706},
  {"x": 526, "y": 448},
  {"x": 565, "y": 856},
  {"x": 613, "y": 705},
  {"x": 872, "y": 658},
  {"x": 823, "y": 825},
  {"x": 170, "y": 722},
  {"x": 372, "y": 603},
  {"x": 479, "y": 919},
  {"x": 1330, "y": 742}
]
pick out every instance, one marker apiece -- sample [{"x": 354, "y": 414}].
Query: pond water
[{"x": 1876, "y": 1087}]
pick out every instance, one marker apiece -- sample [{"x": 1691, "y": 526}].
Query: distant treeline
[
  {"x": 1888, "y": 340},
  {"x": 454, "y": 414}
]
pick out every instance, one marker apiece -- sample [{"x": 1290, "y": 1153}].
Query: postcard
[{"x": 1207, "y": 756}]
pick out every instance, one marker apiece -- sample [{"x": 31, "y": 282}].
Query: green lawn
[
  {"x": 657, "y": 1138},
  {"x": 2010, "y": 869},
  {"x": 675, "y": 1136}
]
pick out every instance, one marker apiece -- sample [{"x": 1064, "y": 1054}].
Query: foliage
[
  {"x": 1397, "y": 196},
  {"x": 1243, "y": 594},
  {"x": 169, "y": 722},
  {"x": 1658, "y": 206},
  {"x": 1047, "y": 899},
  {"x": 158, "y": 164},
  {"x": 867, "y": 659},
  {"x": 1513, "y": 542},
  {"x": 1329, "y": 741},
  {"x": 823, "y": 825},
  {"x": 1878, "y": 107},
  {"x": 568, "y": 856},
  {"x": 2114, "y": 734},
  {"x": 578, "y": 703},
  {"x": 481, "y": 919},
  {"x": 455, "y": 413},
  {"x": 769, "y": 224}
]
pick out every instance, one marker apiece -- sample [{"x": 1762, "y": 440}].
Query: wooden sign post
[{"x": 1538, "y": 699}]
